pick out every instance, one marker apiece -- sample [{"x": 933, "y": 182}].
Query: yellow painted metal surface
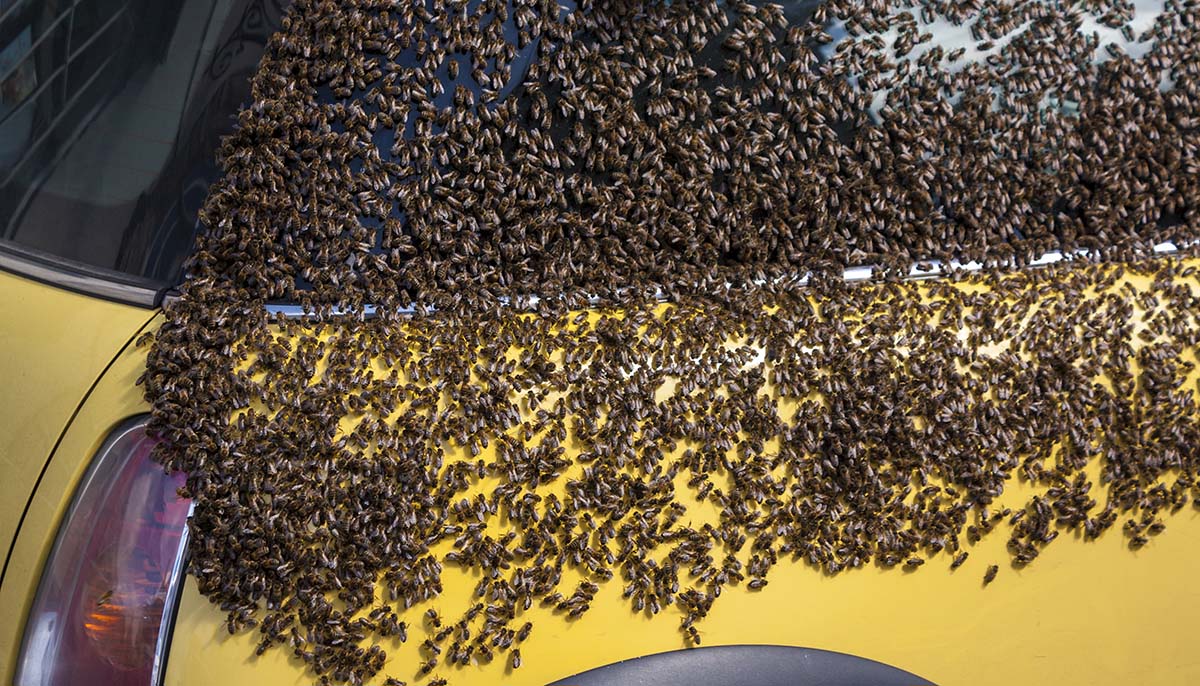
[
  {"x": 53, "y": 346},
  {"x": 1084, "y": 612},
  {"x": 1091, "y": 612},
  {"x": 114, "y": 398}
]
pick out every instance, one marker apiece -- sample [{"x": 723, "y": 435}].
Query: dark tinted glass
[
  {"x": 111, "y": 113},
  {"x": 944, "y": 35}
]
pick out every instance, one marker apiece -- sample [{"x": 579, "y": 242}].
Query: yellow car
[{"x": 106, "y": 147}]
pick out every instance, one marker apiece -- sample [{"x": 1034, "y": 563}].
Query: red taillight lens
[{"x": 109, "y": 585}]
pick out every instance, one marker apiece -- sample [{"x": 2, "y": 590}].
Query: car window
[
  {"x": 111, "y": 114},
  {"x": 944, "y": 36}
]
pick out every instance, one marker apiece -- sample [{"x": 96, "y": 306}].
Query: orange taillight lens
[{"x": 108, "y": 588}]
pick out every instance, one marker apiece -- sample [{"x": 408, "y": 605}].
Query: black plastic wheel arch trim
[{"x": 751, "y": 665}]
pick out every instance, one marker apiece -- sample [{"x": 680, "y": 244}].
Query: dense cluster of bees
[{"x": 677, "y": 166}]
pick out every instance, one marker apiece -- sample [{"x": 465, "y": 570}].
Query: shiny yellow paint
[
  {"x": 113, "y": 399},
  {"x": 54, "y": 344},
  {"x": 1085, "y": 612}
]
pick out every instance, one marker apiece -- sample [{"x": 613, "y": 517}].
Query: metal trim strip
[{"x": 925, "y": 270}]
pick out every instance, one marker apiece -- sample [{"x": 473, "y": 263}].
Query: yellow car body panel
[
  {"x": 1092, "y": 612},
  {"x": 1084, "y": 612},
  {"x": 54, "y": 344},
  {"x": 114, "y": 398}
]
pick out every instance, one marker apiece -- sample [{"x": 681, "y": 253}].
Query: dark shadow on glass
[{"x": 111, "y": 114}]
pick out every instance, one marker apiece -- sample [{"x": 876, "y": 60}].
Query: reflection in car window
[
  {"x": 944, "y": 37},
  {"x": 111, "y": 113}
]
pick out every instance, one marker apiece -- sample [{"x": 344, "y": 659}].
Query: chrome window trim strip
[{"x": 925, "y": 270}]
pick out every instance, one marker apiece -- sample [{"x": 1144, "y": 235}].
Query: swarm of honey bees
[{"x": 570, "y": 271}]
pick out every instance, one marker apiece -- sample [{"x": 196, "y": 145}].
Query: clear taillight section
[{"x": 109, "y": 586}]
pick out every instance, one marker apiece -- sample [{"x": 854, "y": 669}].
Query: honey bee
[
  {"x": 581, "y": 280},
  {"x": 990, "y": 574}
]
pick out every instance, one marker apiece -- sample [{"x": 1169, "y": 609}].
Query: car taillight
[{"x": 108, "y": 590}]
